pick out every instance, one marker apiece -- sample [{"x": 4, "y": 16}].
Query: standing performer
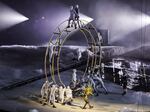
[
  {"x": 120, "y": 73},
  {"x": 100, "y": 38},
  {"x": 124, "y": 83},
  {"x": 72, "y": 17},
  {"x": 79, "y": 53},
  {"x": 77, "y": 11},
  {"x": 88, "y": 91},
  {"x": 51, "y": 48},
  {"x": 74, "y": 77}
]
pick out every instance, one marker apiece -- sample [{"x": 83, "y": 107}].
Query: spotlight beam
[{"x": 9, "y": 17}]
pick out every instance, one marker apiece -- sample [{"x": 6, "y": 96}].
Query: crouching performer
[
  {"x": 61, "y": 94},
  {"x": 69, "y": 98},
  {"x": 53, "y": 90},
  {"x": 99, "y": 79},
  {"x": 45, "y": 91}
]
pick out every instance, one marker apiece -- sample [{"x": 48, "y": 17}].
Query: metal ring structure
[
  {"x": 47, "y": 51},
  {"x": 59, "y": 56},
  {"x": 99, "y": 41},
  {"x": 56, "y": 44},
  {"x": 63, "y": 41}
]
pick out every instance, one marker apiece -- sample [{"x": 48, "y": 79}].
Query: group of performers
[
  {"x": 87, "y": 86},
  {"x": 79, "y": 87},
  {"x": 74, "y": 17},
  {"x": 52, "y": 93}
]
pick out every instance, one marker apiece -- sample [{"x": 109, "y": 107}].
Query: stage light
[
  {"x": 9, "y": 17},
  {"x": 146, "y": 20}
]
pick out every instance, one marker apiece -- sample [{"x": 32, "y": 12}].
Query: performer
[
  {"x": 120, "y": 76},
  {"x": 74, "y": 77},
  {"x": 69, "y": 97},
  {"x": 124, "y": 83},
  {"x": 52, "y": 53},
  {"x": 61, "y": 93},
  {"x": 72, "y": 17},
  {"x": 88, "y": 91},
  {"x": 100, "y": 38},
  {"x": 79, "y": 53},
  {"x": 92, "y": 84},
  {"x": 77, "y": 14},
  {"x": 98, "y": 78},
  {"x": 45, "y": 91},
  {"x": 52, "y": 95}
]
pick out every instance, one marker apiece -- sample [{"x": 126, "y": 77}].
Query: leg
[
  {"x": 95, "y": 89},
  {"x": 106, "y": 91},
  {"x": 49, "y": 101},
  {"x": 90, "y": 106},
  {"x": 78, "y": 22},
  {"x": 42, "y": 99},
  {"x": 86, "y": 102},
  {"x": 124, "y": 91},
  {"x": 103, "y": 86},
  {"x": 74, "y": 24},
  {"x": 84, "y": 107},
  {"x": 53, "y": 101},
  {"x": 69, "y": 23}
]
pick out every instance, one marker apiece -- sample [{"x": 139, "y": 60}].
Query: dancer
[
  {"x": 79, "y": 53},
  {"x": 74, "y": 78},
  {"x": 77, "y": 11},
  {"x": 69, "y": 97},
  {"x": 98, "y": 78},
  {"x": 88, "y": 91},
  {"x": 45, "y": 91},
  {"x": 61, "y": 93},
  {"x": 72, "y": 18},
  {"x": 52, "y": 95},
  {"x": 124, "y": 83}
]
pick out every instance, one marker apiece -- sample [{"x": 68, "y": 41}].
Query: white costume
[
  {"x": 61, "y": 93},
  {"x": 68, "y": 94},
  {"x": 120, "y": 73},
  {"x": 100, "y": 37},
  {"x": 74, "y": 77},
  {"x": 51, "y": 53},
  {"x": 52, "y": 94},
  {"x": 102, "y": 67},
  {"x": 45, "y": 90},
  {"x": 79, "y": 53},
  {"x": 99, "y": 79}
]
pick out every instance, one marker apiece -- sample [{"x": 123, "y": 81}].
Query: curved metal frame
[{"x": 58, "y": 44}]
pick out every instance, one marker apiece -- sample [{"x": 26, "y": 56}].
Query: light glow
[{"x": 9, "y": 17}]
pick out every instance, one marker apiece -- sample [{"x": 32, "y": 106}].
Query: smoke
[{"x": 120, "y": 19}]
